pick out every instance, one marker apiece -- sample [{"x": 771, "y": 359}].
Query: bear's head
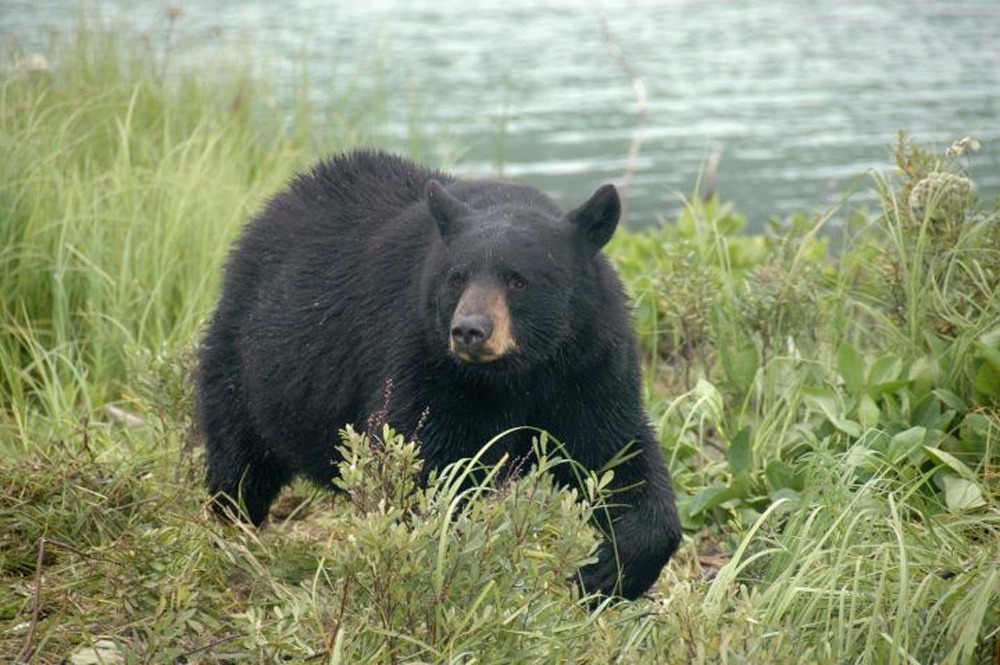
[{"x": 508, "y": 269}]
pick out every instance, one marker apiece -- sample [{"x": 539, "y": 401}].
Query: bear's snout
[
  {"x": 481, "y": 327},
  {"x": 469, "y": 333}
]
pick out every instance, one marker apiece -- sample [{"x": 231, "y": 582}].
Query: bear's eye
[
  {"x": 457, "y": 280},
  {"x": 515, "y": 282}
]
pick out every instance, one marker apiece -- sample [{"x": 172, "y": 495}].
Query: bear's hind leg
[
  {"x": 244, "y": 486},
  {"x": 243, "y": 477}
]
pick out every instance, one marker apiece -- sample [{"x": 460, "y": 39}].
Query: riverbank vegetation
[{"x": 831, "y": 418}]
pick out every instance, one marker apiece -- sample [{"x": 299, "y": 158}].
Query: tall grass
[
  {"x": 832, "y": 421},
  {"x": 121, "y": 194}
]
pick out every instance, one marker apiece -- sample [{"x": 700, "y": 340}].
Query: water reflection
[{"x": 801, "y": 96}]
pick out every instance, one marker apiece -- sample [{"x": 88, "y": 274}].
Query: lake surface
[{"x": 802, "y": 98}]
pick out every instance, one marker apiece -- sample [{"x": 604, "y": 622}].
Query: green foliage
[
  {"x": 799, "y": 350},
  {"x": 432, "y": 573},
  {"x": 832, "y": 420},
  {"x": 861, "y": 386}
]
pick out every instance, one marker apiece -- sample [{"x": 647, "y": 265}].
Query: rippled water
[{"x": 801, "y": 97}]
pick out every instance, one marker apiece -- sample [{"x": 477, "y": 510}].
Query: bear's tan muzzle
[{"x": 481, "y": 328}]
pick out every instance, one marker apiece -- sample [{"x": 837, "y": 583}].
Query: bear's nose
[{"x": 470, "y": 332}]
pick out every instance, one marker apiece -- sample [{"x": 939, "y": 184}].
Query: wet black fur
[{"x": 345, "y": 282}]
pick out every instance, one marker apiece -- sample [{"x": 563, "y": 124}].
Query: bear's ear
[
  {"x": 446, "y": 210},
  {"x": 597, "y": 219}
]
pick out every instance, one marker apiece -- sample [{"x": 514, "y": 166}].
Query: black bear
[{"x": 484, "y": 304}]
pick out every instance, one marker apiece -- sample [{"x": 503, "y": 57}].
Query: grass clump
[{"x": 832, "y": 421}]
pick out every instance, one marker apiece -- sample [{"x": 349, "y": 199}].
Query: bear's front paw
[{"x": 618, "y": 574}]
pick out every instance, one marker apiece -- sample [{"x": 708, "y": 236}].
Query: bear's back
[
  {"x": 338, "y": 198},
  {"x": 323, "y": 217},
  {"x": 362, "y": 185}
]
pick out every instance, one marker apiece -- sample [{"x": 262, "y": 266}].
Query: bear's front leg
[
  {"x": 641, "y": 527},
  {"x": 640, "y": 523}
]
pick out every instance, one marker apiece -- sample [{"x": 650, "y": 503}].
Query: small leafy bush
[{"x": 456, "y": 567}]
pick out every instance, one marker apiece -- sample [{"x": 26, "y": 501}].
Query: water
[{"x": 801, "y": 98}]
